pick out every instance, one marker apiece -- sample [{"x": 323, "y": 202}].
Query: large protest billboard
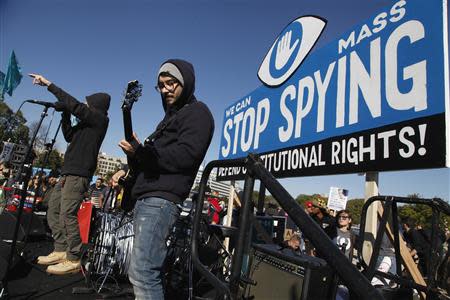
[{"x": 374, "y": 99}]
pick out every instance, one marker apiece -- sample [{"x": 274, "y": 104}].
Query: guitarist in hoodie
[
  {"x": 167, "y": 166},
  {"x": 80, "y": 161}
]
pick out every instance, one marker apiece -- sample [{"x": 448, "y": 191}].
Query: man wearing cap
[
  {"x": 168, "y": 164},
  {"x": 80, "y": 161}
]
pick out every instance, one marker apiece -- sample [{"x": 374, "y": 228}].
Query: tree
[
  {"x": 54, "y": 161},
  {"x": 354, "y": 206},
  {"x": 302, "y": 198},
  {"x": 422, "y": 214},
  {"x": 414, "y": 196},
  {"x": 12, "y": 126},
  {"x": 39, "y": 142}
]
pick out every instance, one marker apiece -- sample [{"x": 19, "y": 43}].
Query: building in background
[
  {"x": 223, "y": 187},
  {"x": 107, "y": 164}
]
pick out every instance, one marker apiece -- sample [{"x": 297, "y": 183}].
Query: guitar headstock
[{"x": 132, "y": 94}]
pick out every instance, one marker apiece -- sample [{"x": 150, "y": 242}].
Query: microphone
[{"x": 44, "y": 103}]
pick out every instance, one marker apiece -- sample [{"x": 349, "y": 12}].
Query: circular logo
[{"x": 290, "y": 49}]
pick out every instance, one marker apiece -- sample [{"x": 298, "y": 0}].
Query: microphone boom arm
[{"x": 43, "y": 103}]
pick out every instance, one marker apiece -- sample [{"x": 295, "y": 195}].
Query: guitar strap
[{"x": 157, "y": 133}]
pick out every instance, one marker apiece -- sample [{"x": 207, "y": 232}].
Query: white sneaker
[
  {"x": 65, "y": 267},
  {"x": 52, "y": 258}
]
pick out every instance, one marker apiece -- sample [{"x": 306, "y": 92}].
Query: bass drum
[{"x": 113, "y": 243}]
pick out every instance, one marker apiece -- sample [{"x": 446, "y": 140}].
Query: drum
[
  {"x": 124, "y": 244},
  {"x": 113, "y": 243}
]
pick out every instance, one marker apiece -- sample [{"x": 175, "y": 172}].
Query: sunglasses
[{"x": 344, "y": 217}]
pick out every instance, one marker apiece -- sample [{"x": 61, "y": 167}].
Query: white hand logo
[
  {"x": 284, "y": 50},
  {"x": 290, "y": 51}
]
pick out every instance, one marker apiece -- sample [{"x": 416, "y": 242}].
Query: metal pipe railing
[
  {"x": 354, "y": 280},
  {"x": 436, "y": 204},
  {"x": 220, "y": 286},
  {"x": 244, "y": 235}
]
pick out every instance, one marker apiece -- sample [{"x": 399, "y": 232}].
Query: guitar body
[
  {"x": 127, "y": 182},
  {"x": 134, "y": 90}
]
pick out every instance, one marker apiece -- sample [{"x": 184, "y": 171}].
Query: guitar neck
[
  {"x": 134, "y": 90},
  {"x": 127, "y": 125}
]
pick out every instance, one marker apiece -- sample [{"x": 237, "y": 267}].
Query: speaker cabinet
[
  {"x": 8, "y": 222},
  {"x": 284, "y": 274},
  {"x": 5, "y": 250}
]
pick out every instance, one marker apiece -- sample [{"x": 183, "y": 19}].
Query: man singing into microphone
[{"x": 80, "y": 161}]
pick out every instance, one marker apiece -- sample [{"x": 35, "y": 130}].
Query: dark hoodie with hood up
[
  {"x": 168, "y": 164},
  {"x": 86, "y": 137}
]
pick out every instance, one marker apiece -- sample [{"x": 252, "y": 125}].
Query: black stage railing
[
  {"x": 349, "y": 274},
  {"x": 221, "y": 287},
  {"x": 390, "y": 214}
]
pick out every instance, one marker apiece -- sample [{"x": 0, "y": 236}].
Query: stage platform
[{"x": 28, "y": 280}]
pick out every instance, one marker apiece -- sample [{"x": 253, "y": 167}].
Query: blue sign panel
[{"x": 372, "y": 100}]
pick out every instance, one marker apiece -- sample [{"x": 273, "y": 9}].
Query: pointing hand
[{"x": 39, "y": 80}]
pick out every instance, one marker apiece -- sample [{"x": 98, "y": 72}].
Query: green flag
[
  {"x": 13, "y": 76},
  {"x": 2, "y": 81}
]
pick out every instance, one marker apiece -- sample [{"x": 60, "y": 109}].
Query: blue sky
[{"x": 90, "y": 46}]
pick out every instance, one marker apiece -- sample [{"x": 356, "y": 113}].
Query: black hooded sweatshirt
[
  {"x": 168, "y": 164},
  {"x": 87, "y": 136}
]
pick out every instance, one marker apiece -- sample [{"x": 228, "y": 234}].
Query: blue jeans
[{"x": 153, "y": 220}]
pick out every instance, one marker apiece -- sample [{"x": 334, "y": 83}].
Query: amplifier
[{"x": 283, "y": 274}]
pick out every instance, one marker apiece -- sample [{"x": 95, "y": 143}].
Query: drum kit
[
  {"x": 108, "y": 254},
  {"x": 111, "y": 241},
  {"x": 111, "y": 244}
]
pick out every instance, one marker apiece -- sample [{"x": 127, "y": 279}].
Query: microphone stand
[
  {"x": 49, "y": 149},
  {"x": 22, "y": 177}
]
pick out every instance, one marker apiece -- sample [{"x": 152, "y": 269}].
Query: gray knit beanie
[{"x": 172, "y": 70}]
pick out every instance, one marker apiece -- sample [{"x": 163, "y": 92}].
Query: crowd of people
[
  {"x": 38, "y": 188},
  {"x": 41, "y": 185},
  {"x": 338, "y": 227}
]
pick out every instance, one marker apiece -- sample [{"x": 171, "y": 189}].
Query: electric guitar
[{"x": 132, "y": 94}]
